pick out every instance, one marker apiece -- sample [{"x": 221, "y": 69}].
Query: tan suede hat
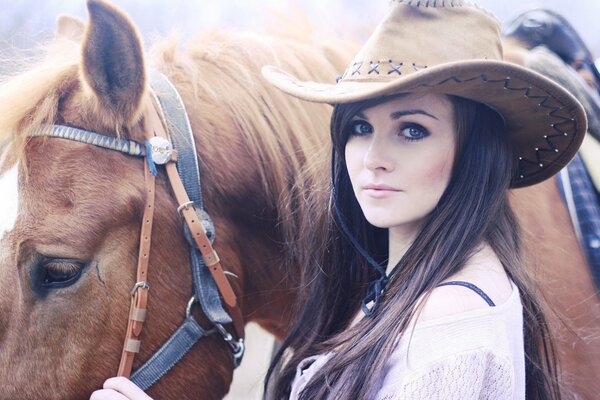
[{"x": 454, "y": 47}]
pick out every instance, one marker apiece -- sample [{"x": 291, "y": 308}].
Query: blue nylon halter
[{"x": 205, "y": 291}]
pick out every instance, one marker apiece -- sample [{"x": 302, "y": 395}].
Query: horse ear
[
  {"x": 69, "y": 27},
  {"x": 113, "y": 61}
]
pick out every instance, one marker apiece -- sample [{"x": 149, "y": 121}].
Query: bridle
[{"x": 210, "y": 284}]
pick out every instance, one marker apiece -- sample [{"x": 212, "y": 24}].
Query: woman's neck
[{"x": 400, "y": 239}]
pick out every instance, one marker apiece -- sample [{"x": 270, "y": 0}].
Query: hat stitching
[
  {"x": 451, "y": 4},
  {"x": 357, "y": 66},
  {"x": 516, "y": 89},
  {"x": 395, "y": 68},
  {"x": 540, "y": 162},
  {"x": 428, "y": 3},
  {"x": 374, "y": 67},
  {"x": 418, "y": 67}
]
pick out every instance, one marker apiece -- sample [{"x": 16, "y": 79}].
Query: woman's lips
[{"x": 379, "y": 191}]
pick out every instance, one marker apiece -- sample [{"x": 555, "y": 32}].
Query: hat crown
[{"x": 417, "y": 34}]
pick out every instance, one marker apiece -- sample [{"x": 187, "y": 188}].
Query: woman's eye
[
  {"x": 61, "y": 273},
  {"x": 360, "y": 128},
  {"x": 414, "y": 132}
]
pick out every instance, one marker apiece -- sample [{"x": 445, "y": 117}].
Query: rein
[{"x": 178, "y": 154}]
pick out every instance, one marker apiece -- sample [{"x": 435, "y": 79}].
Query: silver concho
[{"x": 162, "y": 149}]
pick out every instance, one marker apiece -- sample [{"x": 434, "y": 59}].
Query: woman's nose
[{"x": 378, "y": 155}]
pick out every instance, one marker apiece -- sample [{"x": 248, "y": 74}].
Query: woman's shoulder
[
  {"x": 483, "y": 271},
  {"x": 455, "y": 320}
]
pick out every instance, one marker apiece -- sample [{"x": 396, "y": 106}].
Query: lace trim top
[{"x": 477, "y": 354}]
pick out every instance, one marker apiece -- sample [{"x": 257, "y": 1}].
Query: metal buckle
[
  {"x": 229, "y": 273},
  {"x": 140, "y": 285},
  {"x": 185, "y": 206},
  {"x": 188, "y": 313}
]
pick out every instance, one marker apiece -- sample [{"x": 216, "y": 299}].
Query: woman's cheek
[{"x": 437, "y": 175}]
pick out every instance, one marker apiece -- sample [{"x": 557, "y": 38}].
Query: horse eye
[{"x": 60, "y": 272}]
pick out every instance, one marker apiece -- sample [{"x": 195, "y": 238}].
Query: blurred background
[{"x": 25, "y": 24}]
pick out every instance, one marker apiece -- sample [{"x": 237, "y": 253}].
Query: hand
[{"x": 119, "y": 389}]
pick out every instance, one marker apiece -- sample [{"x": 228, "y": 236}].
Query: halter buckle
[
  {"x": 184, "y": 206},
  {"x": 140, "y": 285}
]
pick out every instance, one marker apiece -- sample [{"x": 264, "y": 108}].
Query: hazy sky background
[{"x": 23, "y": 22}]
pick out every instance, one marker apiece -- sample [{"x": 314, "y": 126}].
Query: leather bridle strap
[
  {"x": 210, "y": 256},
  {"x": 188, "y": 211},
  {"x": 139, "y": 293}
]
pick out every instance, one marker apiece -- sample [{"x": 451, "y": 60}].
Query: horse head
[{"x": 69, "y": 244}]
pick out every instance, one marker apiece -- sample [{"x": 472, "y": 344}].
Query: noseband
[{"x": 178, "y": 154}]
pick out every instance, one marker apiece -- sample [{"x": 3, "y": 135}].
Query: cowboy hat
[{"x": 453, "y": 47}]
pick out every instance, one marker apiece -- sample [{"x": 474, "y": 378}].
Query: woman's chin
[{"x": 382, "y": 221}]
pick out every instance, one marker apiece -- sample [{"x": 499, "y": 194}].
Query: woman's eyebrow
[
  {"x": 399, "y": 114},
  {"x": 361, "y": 116}
]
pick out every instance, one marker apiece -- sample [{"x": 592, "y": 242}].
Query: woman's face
[{"x": 399, "y": 157}]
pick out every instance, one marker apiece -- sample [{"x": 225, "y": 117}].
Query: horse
[
  {"x": 68, "y": 249},
  {"x": 553, "y": 248},
  {"x": 69, "y": 246},
  {"x": 559, "y": 268}
]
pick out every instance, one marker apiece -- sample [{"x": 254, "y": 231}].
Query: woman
[
  {"x": 418, "y": 291},
  {"x": 430, "y": 129}
]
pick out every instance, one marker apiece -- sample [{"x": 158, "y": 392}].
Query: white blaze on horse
[
  {"x": 9, "y": 199},
  {"x": 68, "y": 261}
]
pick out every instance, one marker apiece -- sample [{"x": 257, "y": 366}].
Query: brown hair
[{"x": 473, "y": 209}]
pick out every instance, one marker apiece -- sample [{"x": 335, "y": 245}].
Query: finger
[
  {"x": 126, "y": 387},
  {"x": 107, "y": 394}
]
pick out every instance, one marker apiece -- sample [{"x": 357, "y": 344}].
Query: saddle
[{"x": 544, "y": 27}]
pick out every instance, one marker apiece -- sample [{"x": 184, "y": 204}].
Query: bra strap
[{"x": 473, "y": 288}]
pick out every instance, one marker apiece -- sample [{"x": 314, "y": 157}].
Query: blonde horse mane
[
  {"x": 30, "y": 99},
  {"x": 287, "y": 139},
  {"x": 220, "y": 73}
]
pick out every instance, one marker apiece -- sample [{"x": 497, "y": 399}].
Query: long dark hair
[{"x": 473, "y": 209}]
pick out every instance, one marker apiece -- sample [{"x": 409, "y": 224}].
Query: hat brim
[{"x": 545, "y": 122}]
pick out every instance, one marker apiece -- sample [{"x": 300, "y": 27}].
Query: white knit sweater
[{"x": 477, "y": 354}]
